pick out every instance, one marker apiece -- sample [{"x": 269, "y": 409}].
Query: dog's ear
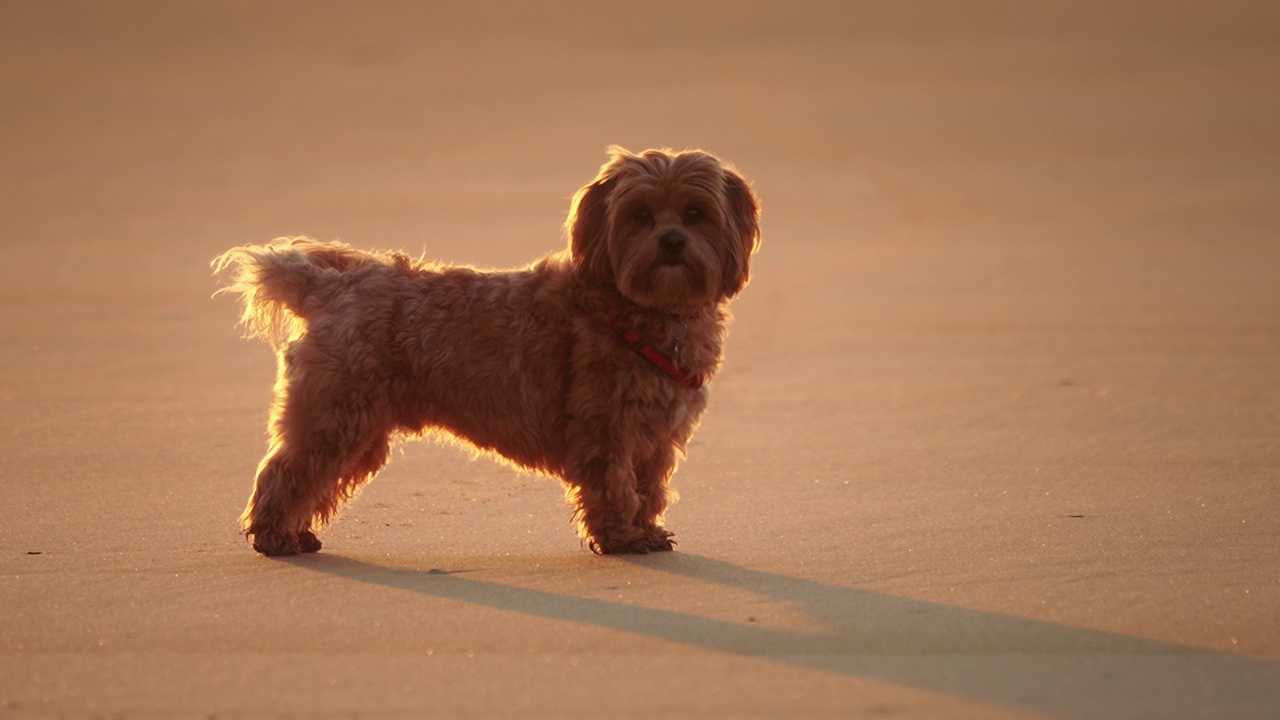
[
  {"x": 588, "y": 226},
  {"x": 743, "y": 229}
]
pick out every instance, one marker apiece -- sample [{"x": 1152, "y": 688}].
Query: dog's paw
[
  {"x": 308, "y": 542},
  {"x": 659, "y": 540},
  {"x": 285, "y": 544},
  {"x": 273, "y": 545},
  {"x": 635, "y": 547},
  {"x": 653, "y": 540}
]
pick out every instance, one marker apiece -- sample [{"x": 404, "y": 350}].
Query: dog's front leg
[
  {"x": 652, "y": 478},
  {"x": 601, "y": 483}
]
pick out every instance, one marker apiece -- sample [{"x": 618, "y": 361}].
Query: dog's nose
[{"x": 672, "y": 242}]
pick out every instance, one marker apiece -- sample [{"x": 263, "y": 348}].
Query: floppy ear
[
  {"x": 743, "y": 230},
  {"x": 588, "y": 226}
]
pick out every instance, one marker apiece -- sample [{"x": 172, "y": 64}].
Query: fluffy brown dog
[{"x": 588, "y": 365}]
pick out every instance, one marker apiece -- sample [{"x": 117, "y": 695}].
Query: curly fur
[{"x": 521, "y": 364}]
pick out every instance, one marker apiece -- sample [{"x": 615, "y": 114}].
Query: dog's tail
[{"x": 279, "y": 283}]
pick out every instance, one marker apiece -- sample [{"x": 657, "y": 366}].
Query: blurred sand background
[{"x": 998, "y": 434}]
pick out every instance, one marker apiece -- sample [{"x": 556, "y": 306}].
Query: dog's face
[{"x": 671, "y": 231}]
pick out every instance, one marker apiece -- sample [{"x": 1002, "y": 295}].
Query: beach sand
[{"x": 997, "y": 435}]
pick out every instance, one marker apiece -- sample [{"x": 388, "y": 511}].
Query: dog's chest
[{"x": 667, "y": 400}]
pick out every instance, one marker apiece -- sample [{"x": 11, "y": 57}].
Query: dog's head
[{"x": 671, "y": 231}]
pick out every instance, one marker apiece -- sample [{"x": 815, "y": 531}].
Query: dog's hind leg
[
  {"x": 278, "y": 517},
  {"x": 367, "y": 464},
  {"x": 326, "y": 442},
  {"x": 300, "y": 487}
]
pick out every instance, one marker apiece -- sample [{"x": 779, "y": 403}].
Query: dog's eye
[
  {"x": 693, "y": 216},
  {"x": 642, "y": 216}
]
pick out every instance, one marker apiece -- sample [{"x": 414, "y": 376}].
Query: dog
[{"x": 589, "y": 365}]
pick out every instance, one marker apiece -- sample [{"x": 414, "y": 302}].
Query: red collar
[{"x": 693, "y": 381}]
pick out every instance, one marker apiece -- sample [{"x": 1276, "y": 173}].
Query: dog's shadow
[{"x": 1043, "y": 667}]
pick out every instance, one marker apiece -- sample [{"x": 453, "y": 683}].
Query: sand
[{"x": 997, "y": 434}]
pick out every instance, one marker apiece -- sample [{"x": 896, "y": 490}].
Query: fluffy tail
[{"x": 278, "y": 282}]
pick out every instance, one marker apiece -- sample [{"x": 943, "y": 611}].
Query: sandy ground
[{"x": 998, "y": 434}]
